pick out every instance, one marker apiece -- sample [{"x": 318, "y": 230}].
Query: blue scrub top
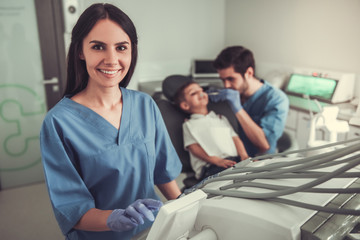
[
  {"x": 88, "y": 163},
  {"x": 268, "y": 107}
]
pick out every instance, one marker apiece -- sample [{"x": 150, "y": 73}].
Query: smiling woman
[
  {"x": 104, "y": 147},
  {"x": 106, "y": 57},
  {"x": 106, "y": 50},
  {"x": 78, "y": 75}
]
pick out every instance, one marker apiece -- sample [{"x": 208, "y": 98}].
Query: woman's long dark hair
[{"x": 77, "y": 75}]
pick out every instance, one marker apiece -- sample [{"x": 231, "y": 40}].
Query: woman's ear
[{"x": 81, "y": 56}]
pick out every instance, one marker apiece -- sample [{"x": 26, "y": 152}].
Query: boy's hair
[{"x": 180, "y": 93}]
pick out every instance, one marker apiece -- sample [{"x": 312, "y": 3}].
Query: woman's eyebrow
[
  {"x": 97, "y": 42},
  {"x": 102, "y": 43},
  {"x": 122, "y": 43}
]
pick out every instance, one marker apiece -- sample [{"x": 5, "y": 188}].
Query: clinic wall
[
  {"x": 282, "y": 34},
  {"x": 171, "y": 33}
]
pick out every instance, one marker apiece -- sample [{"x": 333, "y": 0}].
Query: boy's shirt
[{"x": 213, "y": 133}]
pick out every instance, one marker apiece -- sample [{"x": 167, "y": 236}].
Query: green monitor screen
[{"x": 315, "y": 87}]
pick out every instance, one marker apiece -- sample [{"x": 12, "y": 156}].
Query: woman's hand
[{"x": 126, "y": 219}]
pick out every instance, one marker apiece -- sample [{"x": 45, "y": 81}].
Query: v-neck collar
[
  {"x": 125, "y": 126},
  {"x": 104, "y": 127}
]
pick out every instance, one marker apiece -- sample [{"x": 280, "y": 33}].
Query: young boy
[{"x": 210, "y": 139}]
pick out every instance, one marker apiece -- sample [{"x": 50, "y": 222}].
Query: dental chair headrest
[{"x": 172, "y": 84}]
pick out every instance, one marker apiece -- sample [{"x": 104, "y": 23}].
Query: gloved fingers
[
  {"x": 117, "y": 221},
  {"x": 222, "y": 95},
  {"x": 212, "y": 91},
  {"x": 219, "y": 96},
  {"x": 127, "y": 223},
  {"x": 232, "y": 97},
  {"x": 132, "y": 213},
  {"x": 144, "y": 210},
  {"x": 214, "y": 98},
  {"x": 152, "y": 204},
  {"x": 230, "y": 94}
]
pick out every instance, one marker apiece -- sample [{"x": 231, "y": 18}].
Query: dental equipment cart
[{"x": 273, "y": 197}]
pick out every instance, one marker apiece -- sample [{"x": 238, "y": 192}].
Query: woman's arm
[
  {"x": 94, "y": 220},
  {"x": 170, "y": 190}
]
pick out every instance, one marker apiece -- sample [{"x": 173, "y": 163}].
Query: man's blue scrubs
[{"x": 268, "y": 107}]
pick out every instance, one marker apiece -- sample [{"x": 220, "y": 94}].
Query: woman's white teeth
[{"x": 108, "y": 72}]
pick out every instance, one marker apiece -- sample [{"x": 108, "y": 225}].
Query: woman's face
[{"x": 107, "y": 53}]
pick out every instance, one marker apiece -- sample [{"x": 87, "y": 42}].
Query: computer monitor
[
  {"x": 320, "y": 88},
  {"x": 177, "y": 218},
  {"x": 203, "y": 69}
]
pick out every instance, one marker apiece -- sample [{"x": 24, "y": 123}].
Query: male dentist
[{"x": 260, "y": 108}]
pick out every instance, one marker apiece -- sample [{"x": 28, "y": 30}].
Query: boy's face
[{"x": 195, "y": 98}]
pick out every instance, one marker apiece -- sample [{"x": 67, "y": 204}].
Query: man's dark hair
[{"x": 236, "y": 56}]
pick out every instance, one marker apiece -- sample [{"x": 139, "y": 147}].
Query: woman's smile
[{"x": 109, "y": 73}]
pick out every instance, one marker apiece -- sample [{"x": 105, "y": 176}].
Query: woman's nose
[{"x": 110, "y": 57}]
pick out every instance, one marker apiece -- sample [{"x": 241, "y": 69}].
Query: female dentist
[{"x": 104, "y": 147}]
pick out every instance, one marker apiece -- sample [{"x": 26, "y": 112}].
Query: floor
[{"x": 26, "y": 214}]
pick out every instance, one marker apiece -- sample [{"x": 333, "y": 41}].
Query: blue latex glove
[
  {"x": 230, "y": 95},
  {"x": 126, "y": 219}
]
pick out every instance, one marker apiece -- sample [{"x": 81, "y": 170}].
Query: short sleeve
[
  {"x": 68, "y": 194},
  {"x": 188, "y": 137}
]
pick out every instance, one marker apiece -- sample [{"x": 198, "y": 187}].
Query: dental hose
[{"x": 292, "y": 169}]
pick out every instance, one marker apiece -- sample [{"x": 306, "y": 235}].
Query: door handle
[{"x": 53, "y": 80}]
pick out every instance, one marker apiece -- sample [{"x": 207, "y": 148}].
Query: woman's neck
[{"x": 99, "y": 98}]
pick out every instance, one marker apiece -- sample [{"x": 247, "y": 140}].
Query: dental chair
[
  {"x": 287, "y": 142},
  {"x": 174, "y": 118}
]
